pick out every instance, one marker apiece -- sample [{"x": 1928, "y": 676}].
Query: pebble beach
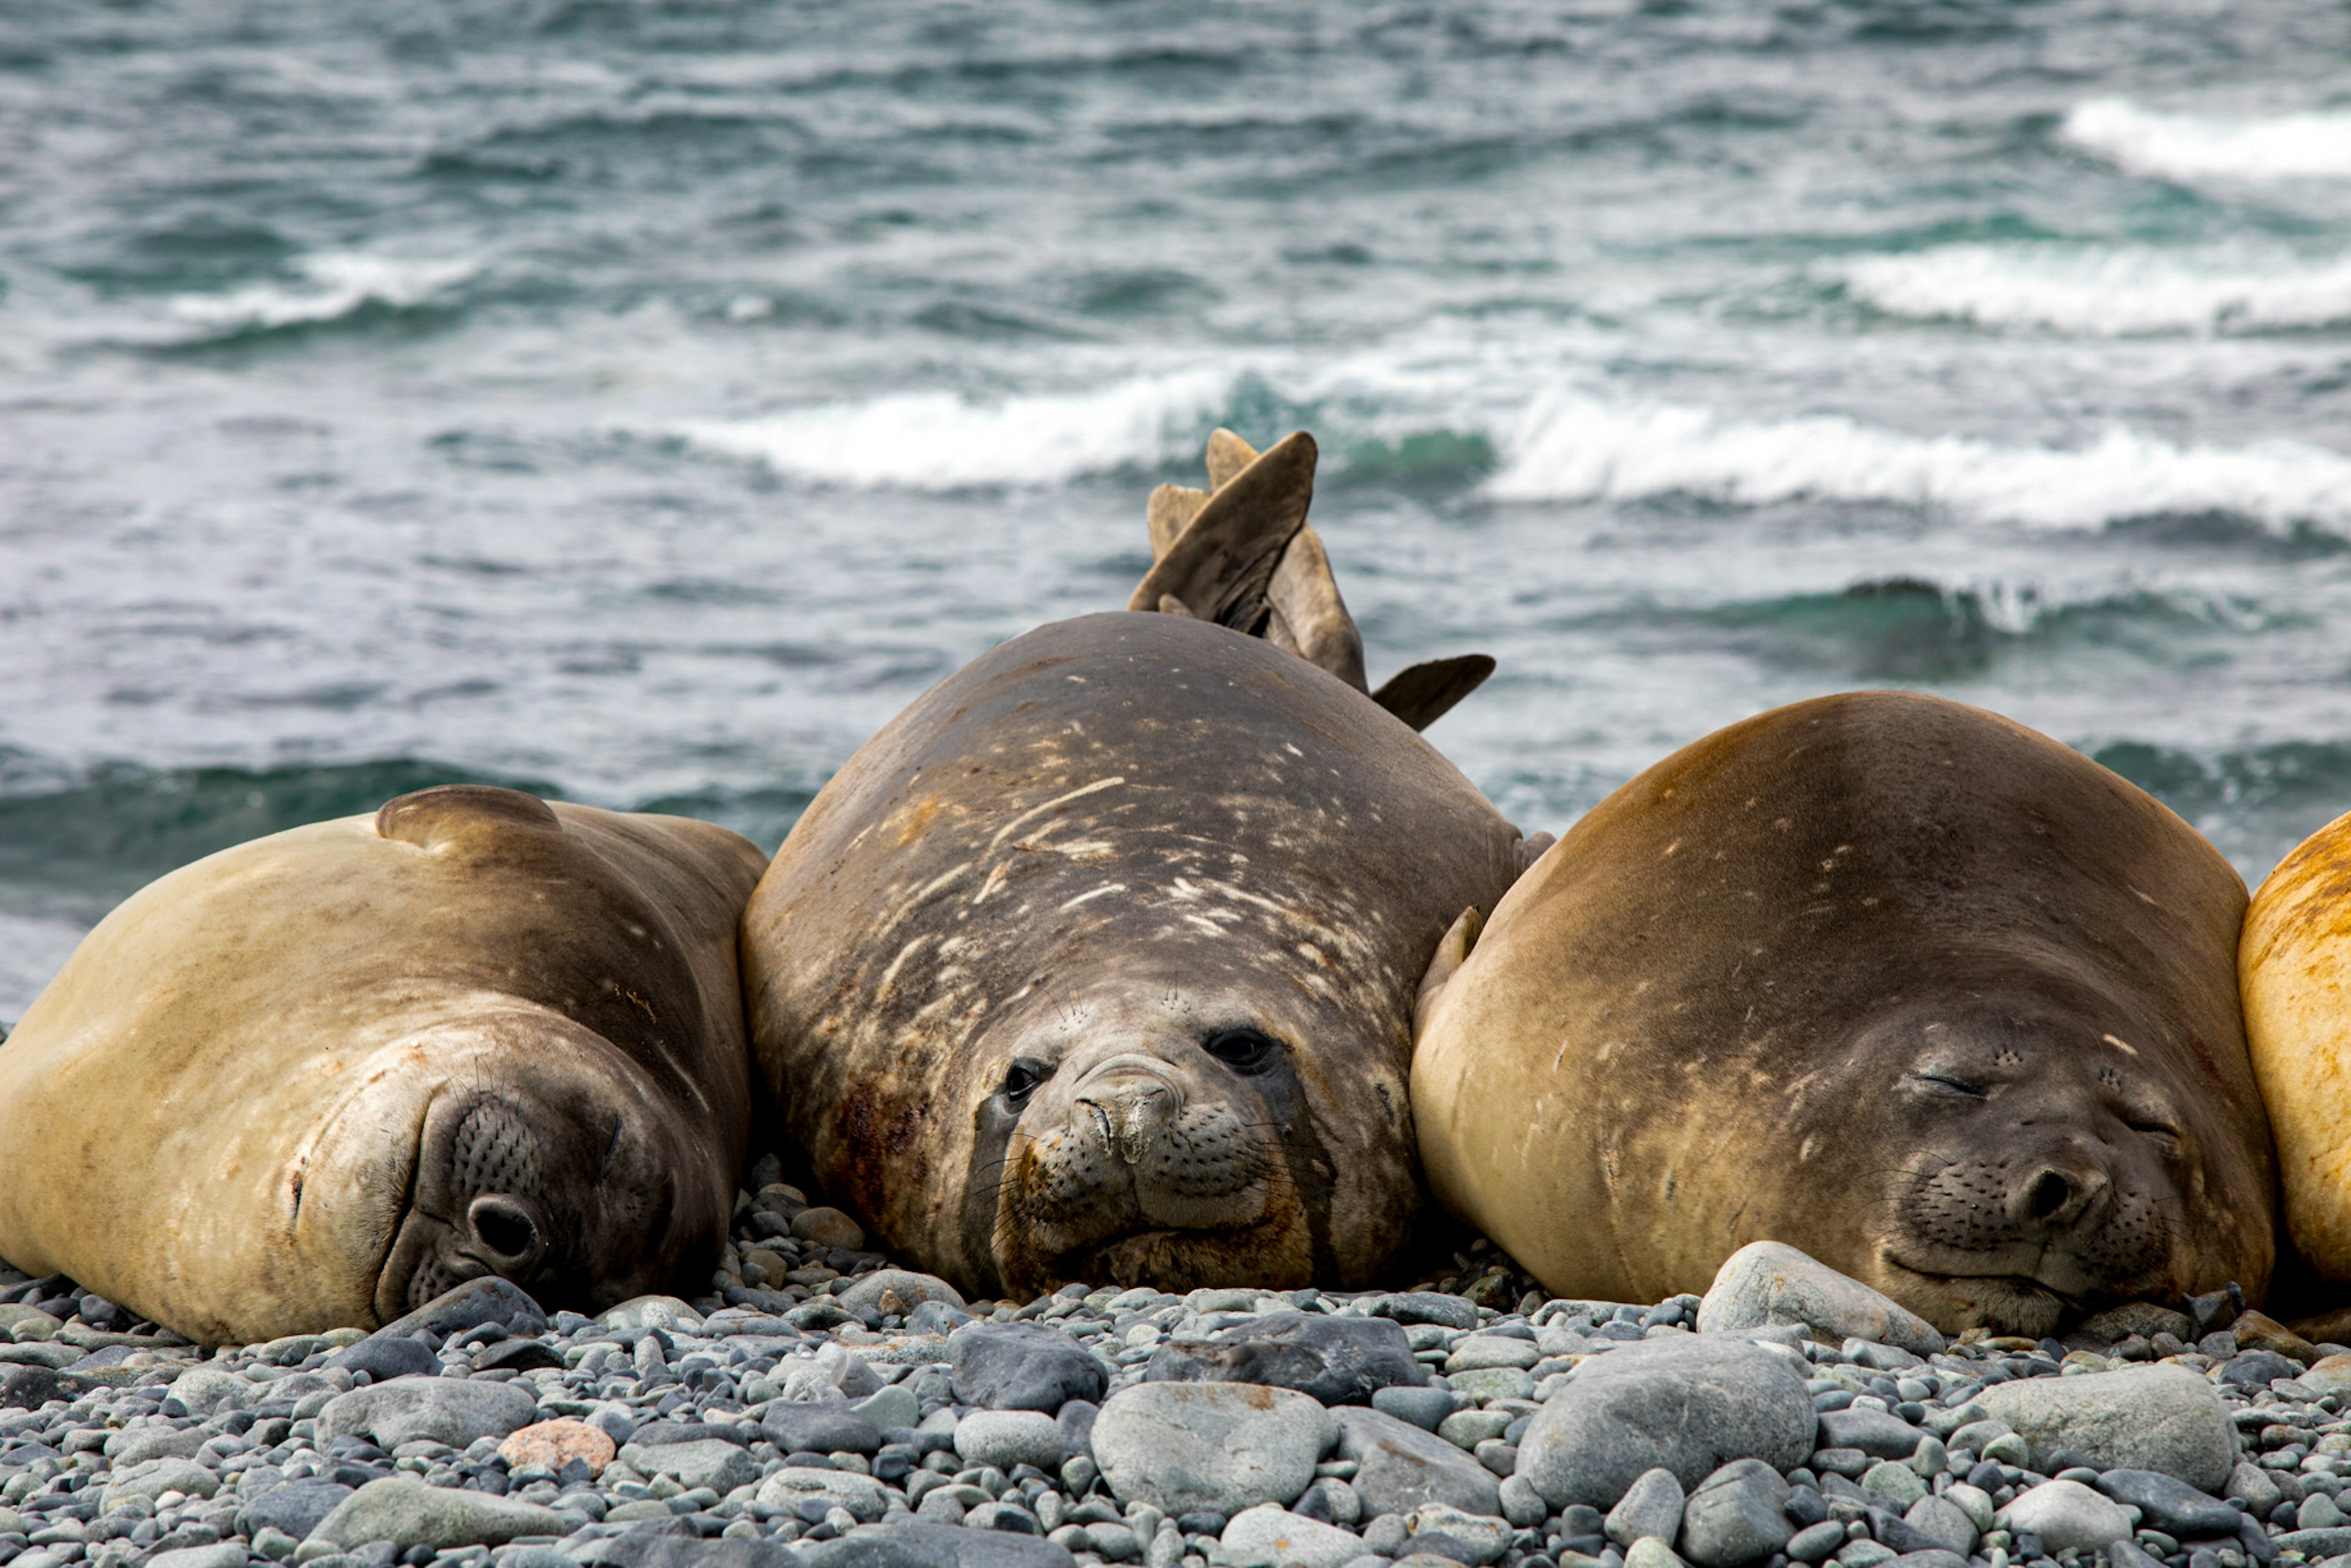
[{"x": 823, "y": 1406}]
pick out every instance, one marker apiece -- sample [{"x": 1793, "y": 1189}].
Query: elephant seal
[
  {"x": 316, "y": 1080},
  {"x": 2293, "y": 966},
  {"x": 1894, "y": 980},
  {"x": 1098, "y": 963}
]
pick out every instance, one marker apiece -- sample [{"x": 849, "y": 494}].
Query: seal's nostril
[
  {"x": 2050, "y": 1193},
  {"x": 504, "y": 1226}
]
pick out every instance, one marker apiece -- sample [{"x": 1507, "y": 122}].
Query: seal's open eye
[
  {"x": 1243, "y": 1049},
  {"x": 1020, "y": 1080}
]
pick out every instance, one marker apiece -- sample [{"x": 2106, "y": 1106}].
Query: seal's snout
[{"x": 1127, "y": 1110}]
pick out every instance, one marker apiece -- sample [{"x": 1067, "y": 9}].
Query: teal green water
[{"x": 644, "y": 401}]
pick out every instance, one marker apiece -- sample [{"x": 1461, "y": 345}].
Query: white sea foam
[
  {"x": 2311, "y": 145},
  {"x": 333, "y": 284},
  {"x": 1580, "y": 448},
  {"x": 2104, "y": 293},
  {"x": 939, "y": 441}
]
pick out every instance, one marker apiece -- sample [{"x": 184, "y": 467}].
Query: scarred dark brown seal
[
  {"x": 1894, "y": 980},
  {"x": 1098, "y": 962}
]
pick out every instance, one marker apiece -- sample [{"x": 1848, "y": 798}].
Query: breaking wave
[
  {"x": 329, "y": 286},
  {"x": 2103, "y": 293},
  {"x": 2311, "y": 145},
  {"x": 1578, "y": 449},
  {"x": 940, "y": 441}
]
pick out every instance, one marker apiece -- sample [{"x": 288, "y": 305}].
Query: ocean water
[{"x": 643, "y": 400}]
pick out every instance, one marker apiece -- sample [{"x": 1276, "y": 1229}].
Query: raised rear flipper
[
  {"x": 1422, "y": 693},
  {"x": 1222, "y": 563},
  {"x": 1213, "y": 576}
]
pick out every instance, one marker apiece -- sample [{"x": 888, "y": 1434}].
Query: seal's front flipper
[
  {"x": 1223, "y": 563},
  {"x": 1452, "y": 952},
  {"x": 1422, "y": 693},
  {"x": 1531, "y": 848}
]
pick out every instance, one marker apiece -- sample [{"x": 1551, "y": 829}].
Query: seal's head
[
  {"x": 513, "y": 1141},
  {"x": 2046, "y": 1166},
  {"x": 1156, "y": 1134}
]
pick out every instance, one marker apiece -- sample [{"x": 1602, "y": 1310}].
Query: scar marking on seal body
[
  {"x": 1013, "y": 826},
  {"x": 2125, "y": 1047}
]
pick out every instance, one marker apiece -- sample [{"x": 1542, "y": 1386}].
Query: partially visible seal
[
  {"x": 1897, "y": 981},
  {"x": 1098, "y": 962},
  {"x": 2294, "y": 968},
  {"x": 316, "y": 1080}
]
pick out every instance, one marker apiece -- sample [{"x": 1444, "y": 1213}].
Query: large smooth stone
[
  {"x": 1691, "y": 1405},
  {"x": 296, "y": 1508},
  {"x": 1773, "y": 1282},
  {"x": 407, "y": 1513},
  {"x": 2164, "y": 1418},
  {"x": 1735, "y": 1515},
  {"x": 862, "y": 1495},
  {"x": 1183, "y": 1446},
  {"x": 877, "y": 1292},
  {"x": 1650, "y": 1506},
  {"x": 457, "y": 1411},
  {"x": 1336, "y": 1360},
  {"x": 2170, "y": 1505},
  {"x": 916, "y": 1543},
  {"x": 817, "y": 1427},
  {"x": 1020, "y": 1366},
  {"x": 1401, "y": 1466},
  {"x": 488, "y": 1300},
  {"x": 2066, "y": 1513},
  {"x": 1273, "y": 1535},
  {"x": 707, "y": 1462}
]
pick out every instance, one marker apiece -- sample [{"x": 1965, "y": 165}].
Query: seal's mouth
[
  {"x": 1268, "y": 1254},
  {"x": 2031, "y": 1305}
]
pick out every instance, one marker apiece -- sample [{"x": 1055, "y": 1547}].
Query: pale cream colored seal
[
  {"x": 315, "y": 1080},
  {"x": 2293, "y": 966}
]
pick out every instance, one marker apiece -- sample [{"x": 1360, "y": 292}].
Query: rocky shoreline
[{"x": 822, "y": 1407}]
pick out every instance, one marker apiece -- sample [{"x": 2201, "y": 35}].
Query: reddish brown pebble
[{"x": 555, "y": 1444}]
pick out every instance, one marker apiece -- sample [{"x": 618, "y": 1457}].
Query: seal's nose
[
  {"x": 1127, "y": 1110},
  {"x": 509, "y": 1233},
  {"x": 2054, "y": 1197}
]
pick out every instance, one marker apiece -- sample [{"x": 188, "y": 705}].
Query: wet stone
[
  {"x": 1336, "y": 1361},
  {"x": 449, "y": 1410},
  {"x": 1021, "y": 1366},
  {"x": 1401, "y": 1467},
  {"x": 407, "y": 1513},
  {"x": 1219, "y": 1445},
  {"x": 1689, "y": 1404}
]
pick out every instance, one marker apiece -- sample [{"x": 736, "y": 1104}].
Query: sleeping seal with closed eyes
[
  {"x": 1896, "y": 981},
  {"x": 316, "y": 1080}
]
